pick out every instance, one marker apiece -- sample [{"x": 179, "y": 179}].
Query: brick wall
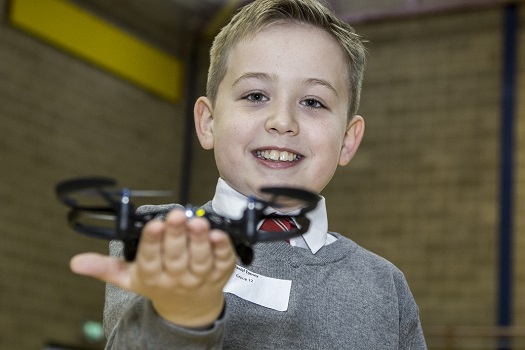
[
  {"x": 60, "y": 117},
  {"x": 424, "y": 191},
  {"x": 519, "y": 199}
]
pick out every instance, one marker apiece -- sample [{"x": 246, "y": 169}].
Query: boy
[{"x": 282, "y": 96}]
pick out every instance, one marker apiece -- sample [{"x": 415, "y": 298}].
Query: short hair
[{"x": 258, "y": 15}]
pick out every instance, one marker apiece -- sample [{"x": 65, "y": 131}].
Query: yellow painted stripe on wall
[{"x": 83, "y": 34}]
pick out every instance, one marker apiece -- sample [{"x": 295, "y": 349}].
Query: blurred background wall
[{"x": 423, "y": 191}]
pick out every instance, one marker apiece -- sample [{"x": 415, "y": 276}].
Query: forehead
[{"x": 290, "y": 50}]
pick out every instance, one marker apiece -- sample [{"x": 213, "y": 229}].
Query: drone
[{"x": 99, "y": 209}]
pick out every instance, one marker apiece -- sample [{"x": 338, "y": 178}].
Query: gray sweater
[{"x": 343, "y": 297}]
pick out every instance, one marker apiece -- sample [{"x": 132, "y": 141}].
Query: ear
[
  {"x": 352, "y": 139},
  {"x": 203, "y": 116}
]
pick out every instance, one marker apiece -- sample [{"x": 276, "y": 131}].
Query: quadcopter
[{"x": 98, "y": 209}]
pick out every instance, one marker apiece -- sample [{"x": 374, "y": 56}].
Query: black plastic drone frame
[{"x": 114, "y": 206}]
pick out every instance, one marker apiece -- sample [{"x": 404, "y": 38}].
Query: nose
[{"x": 282, "y": 119}]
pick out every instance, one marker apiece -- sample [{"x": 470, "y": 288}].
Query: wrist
[{"x": 192, "y": 318}]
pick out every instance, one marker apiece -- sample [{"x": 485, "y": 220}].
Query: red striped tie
[{"x": 278, "y": 224}]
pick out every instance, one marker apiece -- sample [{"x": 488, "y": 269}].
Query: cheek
[
  {"x": 330, "y": 141},
  {"x": 230, "y": 142}
]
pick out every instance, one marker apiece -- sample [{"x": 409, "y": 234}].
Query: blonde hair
[{"x": 258, "y": 15}]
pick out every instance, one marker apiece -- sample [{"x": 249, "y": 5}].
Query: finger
[
  {"x": 222, "y": 246},
  {"x": 200, "y": 248},
  {"x": 148, "y": 257},
  {"x": 102, "y": 267},
  {"x": 175, "y": 245},
  {"x": 224, "y": 255}
]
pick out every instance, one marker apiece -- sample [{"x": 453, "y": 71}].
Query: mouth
[{"x": 277, "y": 156}]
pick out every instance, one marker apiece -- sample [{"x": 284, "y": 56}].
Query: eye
[
  {"x": 256, "y": 97},
  {"x": 312, "y": 103}
]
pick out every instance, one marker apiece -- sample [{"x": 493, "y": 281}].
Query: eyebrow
[
  {"x": 326, "y": 83},
  {"x": 253, "y": 75}
]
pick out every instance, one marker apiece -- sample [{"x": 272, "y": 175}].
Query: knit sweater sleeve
[
  {"x": 410, "y": 330},
  {"x": 141, "y": 328},
  {"x": 131, "y": 322}
]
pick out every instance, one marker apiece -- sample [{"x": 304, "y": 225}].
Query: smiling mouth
[{"x": 277, "y": 156}]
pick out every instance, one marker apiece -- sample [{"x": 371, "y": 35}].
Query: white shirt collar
[{"x": 231, "y": 203}]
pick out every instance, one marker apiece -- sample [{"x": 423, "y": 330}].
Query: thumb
[{"x": 102, "y": 267}]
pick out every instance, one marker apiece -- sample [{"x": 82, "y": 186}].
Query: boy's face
[{"x": 280, "y": 118}]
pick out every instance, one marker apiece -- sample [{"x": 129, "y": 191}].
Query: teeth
[{"x": 274, "y": 155}]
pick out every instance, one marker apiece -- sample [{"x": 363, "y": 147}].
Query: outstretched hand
[{"x": 181, "y": 266}]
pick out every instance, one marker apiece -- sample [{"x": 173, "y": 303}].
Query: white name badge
[{"x": 269, "y": 292}]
